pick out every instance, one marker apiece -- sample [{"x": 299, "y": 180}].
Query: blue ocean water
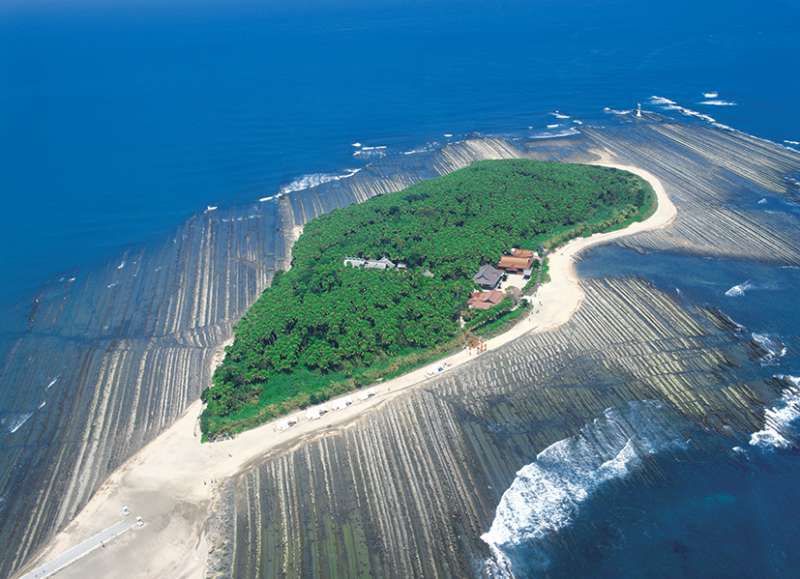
[
  {"x": 118, "y": 122},
  {"x": 729, "y": 512}
]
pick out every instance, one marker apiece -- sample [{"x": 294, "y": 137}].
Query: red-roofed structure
[{"x": 485, "y": 300}]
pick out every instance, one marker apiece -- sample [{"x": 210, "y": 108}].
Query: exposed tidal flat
[
  {"x": 120, "y": 352},
  {"x": 483, "y": 471},
  {"x": 410, "y": 488}
]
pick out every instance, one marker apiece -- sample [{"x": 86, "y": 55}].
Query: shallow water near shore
[
  {"x": 722, "y": 506},
  {"x": 134, "y": 152}
]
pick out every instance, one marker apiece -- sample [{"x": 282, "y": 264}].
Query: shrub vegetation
[{"x": 323, "y": 328}]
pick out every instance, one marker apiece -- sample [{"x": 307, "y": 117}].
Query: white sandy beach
[{"x": 169, "y": 482}]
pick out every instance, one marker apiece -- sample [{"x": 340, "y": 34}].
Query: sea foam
[
  {"x": 556, "y": 134},
  {"x": 739, "y": 290},
  {"x": 546, "y": 495},
  {"x": 15, "y": 421},
  {"x": 313, "y": 180},
  {"x": 371, "y": 152},
  {"x": 717, "y": 103},
  {"x": 671, "y": 105},
  {"x": 780, "y": 419},
  {"x": 771, "y": 347}
]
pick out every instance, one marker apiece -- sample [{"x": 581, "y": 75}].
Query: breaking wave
[
  {"x": 739, "y": 290},
  {"x": 671, "y": 105},
  {"x": 314, "y": 180},
  {"x": 770, "y": 347},
  {"x": 779, "y": 421},
  {"x": 547, "y": 494},
  {"x": 717, "y": 103},
  {"x": 15, "y": 421},
  {"x": 663, "y": 101},
  {"x": 556, "y": 134},
  {"x": 371, "y": 152}
]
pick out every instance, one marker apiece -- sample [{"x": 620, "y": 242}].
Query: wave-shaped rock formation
[
  {"x": 716, "y": 178},
  {"x": 118, "y": 353},
  {"x": 410, "y": 488}
]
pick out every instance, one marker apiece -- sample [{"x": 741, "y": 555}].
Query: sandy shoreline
[{"x": 169, "y": 482}]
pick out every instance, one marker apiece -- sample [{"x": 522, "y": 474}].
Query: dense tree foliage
[{"x": 322, "y": 319}]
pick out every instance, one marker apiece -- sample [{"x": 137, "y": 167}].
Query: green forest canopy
[{"x": 320, "y": 324}]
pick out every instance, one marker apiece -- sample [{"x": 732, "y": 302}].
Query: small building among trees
[
  {"x": 520, "y": 261},
  {"x": 488, "y": 277},
  {"x": 382, "y": 263},
  {"x": 485, "y": 300}
]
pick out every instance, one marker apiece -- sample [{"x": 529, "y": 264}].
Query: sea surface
[{"x": 120, "y": 122}]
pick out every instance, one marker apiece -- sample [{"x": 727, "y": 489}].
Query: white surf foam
[
  {"x": 717, "y": 103},
  {"x": 671, "y": 105},
  {"x": 314, "y": 180},
  {"x": 662, "y": 101},
  {"x": 371, "y": 152},
  {"x": 424, "y": 149},
  {"x": 16, "y": 421},
  {"x": 772, "y": 347},
  {"x": 52, "y": 383},
  {"x": 559, "y": 115},
  {"x": 739, "y": 290},
  {"x": 556, "y": 134},
  {"x": 121, "y": 264},
  {"x": 779, "y": 420},
  {"x": 547, "y": 494},
  {"x": 553, "y": 126},
  {"x": 762, "y": 201},
  {"x": 723, "y": 127},
  {"x": 791, "y": 142}
]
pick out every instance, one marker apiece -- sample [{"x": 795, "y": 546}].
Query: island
[{"x": 379, "y": 288}]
